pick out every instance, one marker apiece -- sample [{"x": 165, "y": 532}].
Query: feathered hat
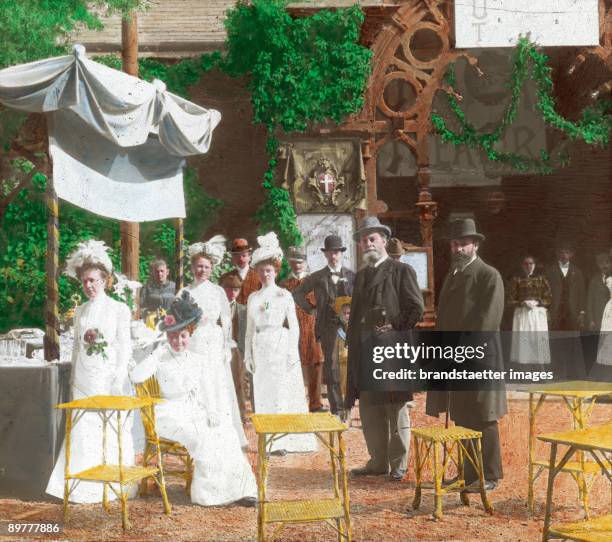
[
  {"x": 91, "y": 252},
  {"x": 269, "y": 248},
  {"x": 214, "y": 247},
  {"x": 183, "y": 312}
]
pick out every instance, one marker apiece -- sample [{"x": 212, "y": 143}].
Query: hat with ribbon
[
  {"x": 214, "y": 248},
  {"x": 371, "y": 224},
  {"x": 269, "y": 249},
  {"x": 465, "y": 227},
  {"x": 240, "y": 245},
  {"x": 183, "y": 312},
  {"x": 333, "y": 243}
]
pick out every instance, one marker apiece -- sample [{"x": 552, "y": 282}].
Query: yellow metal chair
[{"x": 168, "y": 448}]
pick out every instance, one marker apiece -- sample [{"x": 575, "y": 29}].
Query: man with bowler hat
[
  {"x": 334, "y": 280},
  {"x": 386, "y": 297},
  {"x": 472, "y": 300}
]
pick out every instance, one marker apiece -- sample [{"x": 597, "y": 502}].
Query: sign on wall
[
  {"x": 316, "y": 227},
  {"x": 498, "y": 23}
]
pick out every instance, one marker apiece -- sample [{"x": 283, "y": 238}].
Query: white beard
[{"x": 371, "y": 257}]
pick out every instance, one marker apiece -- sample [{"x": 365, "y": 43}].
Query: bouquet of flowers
[
  {"x": 125, "y": 290},
  {"x": 95, "y": 342}
]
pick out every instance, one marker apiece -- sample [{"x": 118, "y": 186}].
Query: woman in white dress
[
  {"x": 100, "y": 357},
  {"x": 194, "y": 413},
  {"x": 212, "y": 339},
  {"x": 271, "y": 347}
]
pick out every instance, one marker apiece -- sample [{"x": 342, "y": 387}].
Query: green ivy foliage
[
  {"x": 302, "y": 70},
  {"x": 593, "y": 128},
  {"x": 23, "y": 245}
]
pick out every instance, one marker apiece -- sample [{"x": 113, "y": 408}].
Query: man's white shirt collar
[
  {"x": 564, "y": 268},
  {"x": 464, "y": 267},
  {"x": 381, "y": 261},
  {"x": 242, "y": 271}
]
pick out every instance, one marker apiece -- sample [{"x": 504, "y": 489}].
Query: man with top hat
[
  {"x": 231, "y": 283},
  {"x": 386, "y": 298},
  {"x": 333, "y": 281},
  {"x": 472, "y": 300},
  {"x": 241, "y": 258},
  {"x": 311, "y": 355}
]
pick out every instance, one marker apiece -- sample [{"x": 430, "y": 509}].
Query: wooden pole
[
  {"x": 179, "y": 252},
  {"x": 130, "y": 231},
  {"x": 52, "y": 331}
]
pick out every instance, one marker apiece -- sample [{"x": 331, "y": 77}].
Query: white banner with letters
[{"x": 498, "y": 23}]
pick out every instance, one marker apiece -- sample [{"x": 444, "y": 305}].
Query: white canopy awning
[{"x": 117, "y": 142}]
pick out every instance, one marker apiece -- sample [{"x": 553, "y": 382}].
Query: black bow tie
[{"x": 335, "y": 273}]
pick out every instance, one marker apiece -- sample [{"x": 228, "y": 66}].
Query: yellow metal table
[
  {"x": 107, "y": 407},
  {"x": 579, "y": 397},
  {"x": 334, "y": 511},
  {"x": 597, "y": 442}
]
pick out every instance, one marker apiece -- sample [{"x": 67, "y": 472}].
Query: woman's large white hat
[
  {"x": 90, "y": 252},
  {"x": 269, "y": 248},
  {"x": 214, "y": 247}
]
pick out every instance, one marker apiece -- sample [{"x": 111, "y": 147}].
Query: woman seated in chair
[{"x": 193, "y": 414}]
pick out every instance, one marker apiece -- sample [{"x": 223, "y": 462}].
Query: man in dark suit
[
  {"x": 598, "y": 293},
  {"x": 386, "y": 297},
  {"x": 567, "y": 314},
  {"x": 334, "y": 280},
  {"x": 472, "y": 300},
  {"x": 568, "y": 308}
]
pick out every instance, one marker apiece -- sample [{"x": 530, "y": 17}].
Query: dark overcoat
[
  {"x": 321, "y": 283},
  {"x": 472, "y": 300},
  {"x": 392, "y": 285}
]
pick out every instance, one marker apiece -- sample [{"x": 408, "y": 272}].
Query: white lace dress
[
  {"x": 94, "y": 375},
  {"x": 191, "y": 416},
  {"x": 212, "y": 341},
  {"x": 271, "y": 345}
]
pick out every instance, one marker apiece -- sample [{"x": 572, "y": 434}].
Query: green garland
[{"x": 593, "y": 127}]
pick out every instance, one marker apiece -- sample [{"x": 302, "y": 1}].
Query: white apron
[{"x": 530, "y": 342}]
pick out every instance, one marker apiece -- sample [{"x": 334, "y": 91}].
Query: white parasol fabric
[{"x": 117, "y": 143}]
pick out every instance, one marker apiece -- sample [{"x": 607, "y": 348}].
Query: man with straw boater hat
[
  {"x": 472, "y": 300},
  {"x": 386, "y": 298},
  {"x": 333, "y": 281},
  {"x": 241, "y": 258},
  {"x": 311, "y": 355}
]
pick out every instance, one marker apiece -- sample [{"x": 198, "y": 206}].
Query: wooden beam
[{"x": 130, "y": 231}]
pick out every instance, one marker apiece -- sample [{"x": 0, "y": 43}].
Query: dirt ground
[{"x": 380, "y": 509}]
